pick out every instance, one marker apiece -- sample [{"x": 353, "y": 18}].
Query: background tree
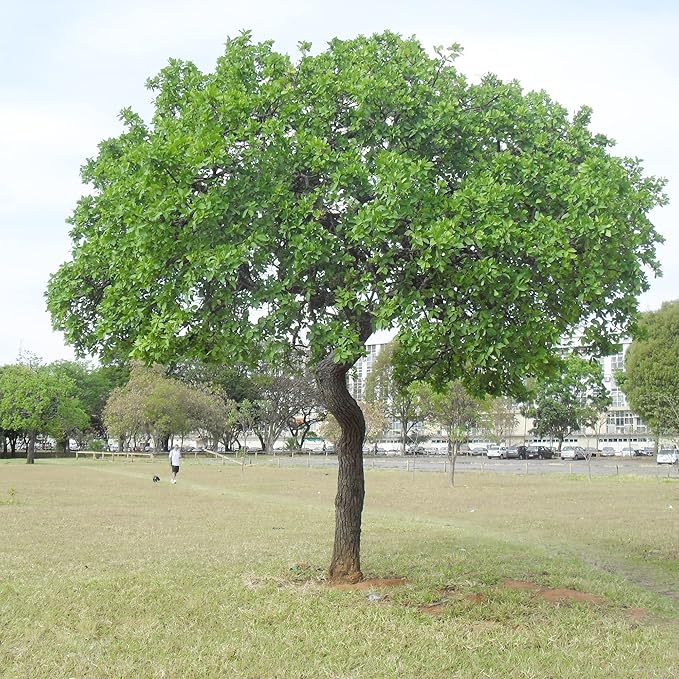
[
  {"x": 456, "y": 411},
  {"x": 376, "y": 423},
  {"x": 8, "y": 435},
  {"x": 404, "y": 403},
  {"x": 153, "y": 405},
  {"x": 570, "y": 401},
  {"x": 93, "y": 387},
  {"x": 498, "y": 418},
  {"x": 282, "y": 398},
  {"x": 330, "y": 429},
  {"x": 231, "y": 381},
  {"x": 310, "y": 412},
  {"x": 215, "y": 418},
  {"x": 651, "y": 377},
  {"x": 376, "y": 420},
  {"x": 38, "y": 399},
  {"x": 229, "y": 392},
  {"x": 247, "y": 416},
  {"x": 363, "y": 187}
]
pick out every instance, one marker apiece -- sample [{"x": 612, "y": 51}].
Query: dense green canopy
[
  {"x": 651, "y": 377},
  {"x": 277, "y": 203},
  {"x": 39, "y": 399}
]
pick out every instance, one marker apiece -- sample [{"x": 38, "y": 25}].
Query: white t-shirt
[{"x": 175, "y": 456}]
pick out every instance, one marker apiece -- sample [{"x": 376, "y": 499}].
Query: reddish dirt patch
[
  {"x": 521, "y": 584},
  {"x": 435, "y": 609},
  {"x": 369, "y": 583},
  {"x": 554, "y": 595},
  {"x": 474, "y": 598},
  {"x": 438, "y": 607},
  {"x": 637, "y": 614}
]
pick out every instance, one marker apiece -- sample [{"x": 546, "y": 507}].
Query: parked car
[
  {"x": 667, "y": 456},
  {"x": 644, "y": 452},
  {"x": 511, "y": 453},
  {"x": 607, "y": 451},
  {"x": 494, "y": 451},
  {"x": 416, "y": 450},
  {"x": 573, "y": 453},
  {"x": 627, "y": 451},
  {"x": 535, "y": 451}
]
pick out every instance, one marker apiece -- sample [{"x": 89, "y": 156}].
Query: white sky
[{"x": 69, "y": 66}]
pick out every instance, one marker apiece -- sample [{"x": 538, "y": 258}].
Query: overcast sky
[{"x": 69, "y": 66}]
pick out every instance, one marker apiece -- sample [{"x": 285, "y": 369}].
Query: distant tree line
[
  {"x": 143, "y": 406},
  {"x": 224, "y": 405}
]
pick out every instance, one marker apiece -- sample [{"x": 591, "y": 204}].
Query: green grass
[{"x": 105, "y": 574}]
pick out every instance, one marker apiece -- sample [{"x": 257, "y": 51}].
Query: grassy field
[{"x": 105, "y": 574}]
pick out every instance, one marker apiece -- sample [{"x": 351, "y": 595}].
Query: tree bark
[
  {"x": 332, "y": 386},
  {"x": 30, "y": 452},
  {"x": 452, "y": 454}
]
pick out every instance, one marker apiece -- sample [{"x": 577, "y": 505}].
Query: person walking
[{"x": 175, "y": 458}]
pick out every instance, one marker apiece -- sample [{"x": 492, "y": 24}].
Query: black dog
[{"x": 156, "y": 479}]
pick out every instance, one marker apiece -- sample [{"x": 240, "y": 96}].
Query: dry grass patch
[{"x": 105, "y": 574}]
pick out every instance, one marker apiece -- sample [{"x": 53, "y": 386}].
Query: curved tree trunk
[{"x": 332, "y": 386}]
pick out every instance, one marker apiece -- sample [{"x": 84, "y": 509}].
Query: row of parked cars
[
  {"x": 665, "y": 456},
  {"x": 520, "y": 452}
]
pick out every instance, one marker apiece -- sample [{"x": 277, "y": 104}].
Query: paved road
[{"x": 607, "y": 466}]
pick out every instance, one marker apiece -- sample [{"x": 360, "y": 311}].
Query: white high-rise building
[{"x": 358, "y": 375}]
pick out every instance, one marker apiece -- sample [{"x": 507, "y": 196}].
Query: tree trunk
[
  {"x": 332, "y": 386},
  {"x": 404, "y": 434},
  {"x": 30, "y": 453},
  {"x": 452, "y": 453}
]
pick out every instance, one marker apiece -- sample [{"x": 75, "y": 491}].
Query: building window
[
  {"x": 618, "y": 362},
  {"x": 618, "y": 399}
]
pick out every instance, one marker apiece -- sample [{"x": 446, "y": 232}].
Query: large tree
[
  {"x": 651, "y": 377},
  {"x": 277, "y": 205}
]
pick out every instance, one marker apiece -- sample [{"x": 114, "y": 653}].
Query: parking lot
[{"x": 602, "y": 466}]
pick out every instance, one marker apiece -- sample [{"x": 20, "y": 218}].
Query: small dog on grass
[{"x": 156, "y": 478}]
